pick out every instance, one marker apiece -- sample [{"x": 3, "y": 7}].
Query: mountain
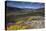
[
  {"x": 15, "y": 9},
  {"x": 12, "y": 8},
  {"x": 22, "y": 11}
]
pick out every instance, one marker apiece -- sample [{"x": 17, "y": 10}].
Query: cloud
[{"x": 25, "y": 4}]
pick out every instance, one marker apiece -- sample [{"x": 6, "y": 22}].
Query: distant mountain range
[
  {"x": 23, "y": 9},
  {"x": 12, "y": 8}
]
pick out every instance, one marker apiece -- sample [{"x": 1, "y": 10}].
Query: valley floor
[{"x": 29, "y": 22}]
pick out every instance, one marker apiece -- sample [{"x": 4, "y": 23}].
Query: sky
[{"x": 30, "y": 5}]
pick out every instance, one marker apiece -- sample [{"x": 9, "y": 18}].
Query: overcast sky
[{"x": 29, "y": 5}]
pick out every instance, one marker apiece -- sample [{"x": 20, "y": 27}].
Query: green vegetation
[
  {"x": 18, "y": 18},
  {"x": 19, "y": 24}
]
